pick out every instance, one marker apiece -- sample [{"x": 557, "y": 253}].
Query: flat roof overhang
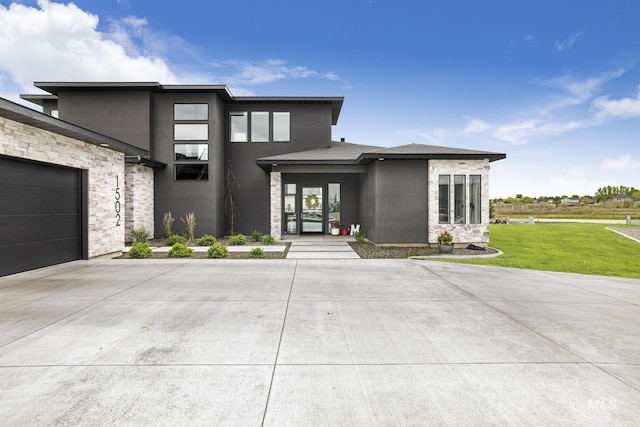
[{"x": 367, "y": 158}]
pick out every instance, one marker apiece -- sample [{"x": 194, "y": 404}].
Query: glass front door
[{"x": 311, "y": 210}]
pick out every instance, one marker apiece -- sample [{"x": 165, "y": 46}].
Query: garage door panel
[
  {"x": 28, "y": 256},
  {"x": 20, "y": 200},
  {"x": 34, "y": 228},
  {"x": 26, "y": 174}
]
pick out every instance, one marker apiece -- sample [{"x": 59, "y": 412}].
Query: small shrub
[
  {"x": 179, "y": 250},
  {"x": 189, "y": 226},
  {"x": 360, "y": 237},
  {"x": 268, "y": 239},
  {"x": 206, "y": 240},
  {"x": 140, "y": 250},
  {"x": 237, "y": 240},
  {"x": 167, "y": 223},
  {"x": 140, "y": 235},
  {"x": 173, "y": 239},
  {"x": 256, "y": 253},
  {"x": 256, "y": 236},
  {"x": 217, "y": 250}
]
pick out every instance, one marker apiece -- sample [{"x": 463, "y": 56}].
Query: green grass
[{"x": 570, "y": 248}]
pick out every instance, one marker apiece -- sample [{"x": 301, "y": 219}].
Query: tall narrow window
[
  {"x": 475, "y": 199},
  {"x": 291, "y": 224},
  {"x": 259, "y": 126},
  {"x": 281, "y": 126},
  {"x": 334, "y": 201},
  {"x": 238, "y": 125},
  {"x": 443, "y": 199},
  {"x": 459, "y": 205}
]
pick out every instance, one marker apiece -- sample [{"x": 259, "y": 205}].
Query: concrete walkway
[
  {"x": 316, "y": 342},
  {"x": 320, "y": 247}
]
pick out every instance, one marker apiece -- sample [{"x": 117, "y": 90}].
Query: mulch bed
[{"x": 370, "y": 250}]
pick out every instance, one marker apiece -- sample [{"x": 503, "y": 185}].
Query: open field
[
  {"x": 571, "y": 248},
  {"x": 546, "y": 210}
]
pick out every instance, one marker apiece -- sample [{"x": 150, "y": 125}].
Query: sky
[{"x": 554, "y": 84}]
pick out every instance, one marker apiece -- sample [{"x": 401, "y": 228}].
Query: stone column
[{"x": 276, "y": 205}]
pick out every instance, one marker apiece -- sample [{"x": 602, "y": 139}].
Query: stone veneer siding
[
  {"x": 276, "y": 205},
  {"x": 103, "y": 166},
  {"x": 139, "y": 199},
  {"x": 462, "y": 233}
]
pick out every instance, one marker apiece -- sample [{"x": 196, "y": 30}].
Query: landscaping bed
[{"x": 368, "y": 250}]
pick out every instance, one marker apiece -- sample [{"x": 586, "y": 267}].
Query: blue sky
[{"x": 553, "y": 84}]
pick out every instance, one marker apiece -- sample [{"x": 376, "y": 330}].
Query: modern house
[{"x": 121, "y": 155}]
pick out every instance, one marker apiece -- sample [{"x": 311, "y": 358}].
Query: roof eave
[{"x": 367, "y": 158}]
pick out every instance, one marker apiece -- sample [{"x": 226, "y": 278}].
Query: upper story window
[
  {"x": 191, "y": 152},
  {"x": 54, "y": 113},
  {"x": 190, "y": 132},
  {"x": 281, "y": 126},
  {"x": 259, "y": 126},
  {"x": 239, "y": 126},
  {"x": 190, "y": 111}
]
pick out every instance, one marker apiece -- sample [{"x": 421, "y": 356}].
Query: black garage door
[{"x": 40, "y": 215}]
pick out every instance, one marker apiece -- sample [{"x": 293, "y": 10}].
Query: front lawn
[{"x": 570, "y": 248}]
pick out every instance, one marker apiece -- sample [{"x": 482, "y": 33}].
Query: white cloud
[
  {"x": 54, "y": 41},
  {"x": 622, "y": 163},
  {"x": 568, "y": 43},
  {"x": 244, "y": 73},
  {"x": 621, "y": 108},
  {"x": 476, "y": 126},
  {"x": 522, "y": 132},
  {"x": 61, "y": 42}
]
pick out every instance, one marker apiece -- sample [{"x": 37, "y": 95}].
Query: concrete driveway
[{"x": 316, "y": 342}]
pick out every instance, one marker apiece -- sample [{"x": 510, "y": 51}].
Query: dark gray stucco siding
[
  {"x": 204, "y": 198},
  {"x": 310, "y": 129},
  {"x": 401, "y": 200},
  {"x": 367, "y": 203},
  {"x": 123, "y": 115}
]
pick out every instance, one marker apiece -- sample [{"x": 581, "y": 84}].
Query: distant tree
[
  {"x": 605, "y": 193},
  {"x": 518, "y": 196}
]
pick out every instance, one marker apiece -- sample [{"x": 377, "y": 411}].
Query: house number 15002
[{"x": 117, "y": 203}]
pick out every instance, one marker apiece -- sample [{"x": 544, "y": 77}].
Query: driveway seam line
[{"x": 275, "y": 362}]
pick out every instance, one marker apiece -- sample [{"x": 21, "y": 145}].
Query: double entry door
[{"x": 304, "y": 209}]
